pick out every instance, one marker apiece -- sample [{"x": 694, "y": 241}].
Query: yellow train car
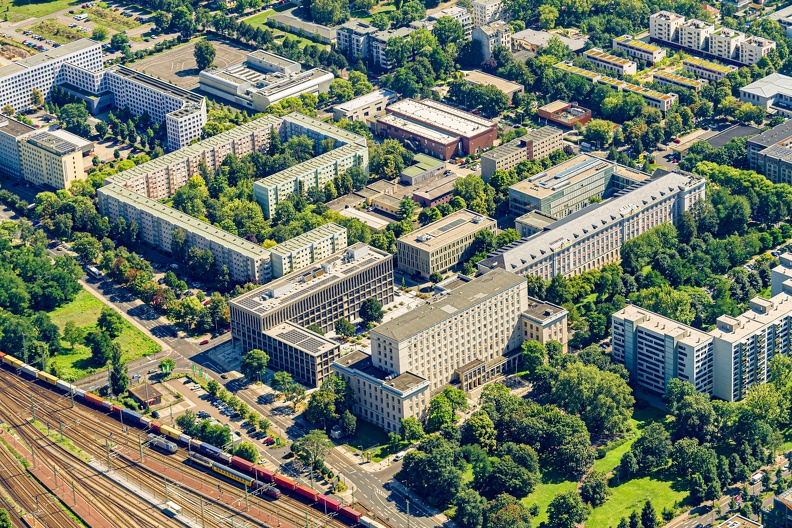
[
  {"x": 14, "y": 362},
  {"x": 49, "y": 378},
  {"x": 170, "y": 432}
]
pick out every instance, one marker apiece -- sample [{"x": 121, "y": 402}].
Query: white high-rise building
[
  {"x": 664, "y": 25},
  {"x": 488, "y": 11},
  {"x": 694, "y": 34}
]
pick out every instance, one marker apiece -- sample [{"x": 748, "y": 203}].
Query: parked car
[{"x": 204, "y": 342}]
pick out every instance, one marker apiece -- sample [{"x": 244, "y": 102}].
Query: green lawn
[
  {"x": 19, "y": 10},
  {"x": 84, "y": 310},
  {"x": 57, "y": 32},
  {"x": 366, "y": 15},
  {"x": 551, "y": 486},
  {"x": 260, "y": 19}
]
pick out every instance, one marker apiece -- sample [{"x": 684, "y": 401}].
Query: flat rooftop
[
  {"x": 659, "y": 324},
  {"x": 457, "y": 301},
  {"x": 311, "y": 165},
  {"x": 365, "y": 100},
  {"x": 302, "y": 339},
  {"x": 678, "y": 79},
  {"x": 14, "y": 128},
  {"x": 326, "y": 129},
  {"x": 775, "y": 135},
  {"x": 194, "y": 150},
  {"x": 80, "y": 141},
  {"x": 53, "y": 54},
  {"x": 630, "y": 42},
  {"x": 588, "y": 221},
  {"x": 598, "y": 54},
  {"x": 187, "y": 222},
  {"x": 569, "y": 173},
  {"x": 283, "y": 62},
  {"x": 446, "y": 230},
  {"x": 335, "y": 268},
  {"x": 506, "y": 150},
  {"x": 542, "y": 311},
  {"x": 308, "y": 238},
  {"x": 667, "y": 15},
  {"x": 541, "y": 39},
  {"x": 751, "y": 321},
  {"x": 770, "y": 86},
  {"x": 431, "y": 190},
  {"x": 448, "y": 118},
  {"x": 53, "y": 143},
  {"x": 479, "y": 77},
  {"x": 419, "y": 129},
  {"x": 361, "y": 362},
  {"x": 309, "y": 27},
  {"x": 152, "y": 82},
  {"x": 536, "y": 219},
  {"x": 709, "y": 65},
  {"x": 738, "y": 521}
]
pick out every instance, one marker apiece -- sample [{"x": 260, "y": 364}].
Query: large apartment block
[
  {"x": 592, "y": 237},
  {"x": 656, "y": 349},
  {"x": 611, "y": 63},
  {"x": 702, "y": 38},
  {"x": 441, "y": 245},
  {"x": 488, "y": 11},
  {"x": 770, "y": 153},
  {"x": 491, "y": 36},
  {"x": 535, "y": 145},
  {"x": 321, "y": 294},
  {"x": 304, "y": 250},
  {"x": 569, "y": 186},
  {"x": 51, "y": 159},
  {"x": 704, "y": 69},
  {"x": 360, "y": 39},
  {"x": 12, "y": 133},
  {"x": 639, "y": 49},
  {"x": 544, "y": 322},
  {"x": 246, "y": 261},
  {"x": 781, "y": 273},
  {"x": 653, "y": 98},
  {"x": 304, "y": 354}
]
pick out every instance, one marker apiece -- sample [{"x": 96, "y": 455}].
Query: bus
[{"x": 95, "y": 273}]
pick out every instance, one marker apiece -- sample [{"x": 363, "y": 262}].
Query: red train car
[
  {"x": 241, "y": 463},
  {"x": 350, "y": 513},
  {"x": 285, "y": 482},
  {"x": 116, "y": 409},
  {"x": 93, "y": 399},
  {"x": 264, "y": 474},
  {"x": 155, "y": 426},
  {"x": 306, "y": 492},
  {"x": 332, "y": 504},
  {"x": 2, "y": 355}
]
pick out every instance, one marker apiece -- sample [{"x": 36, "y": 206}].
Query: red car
[
  {"x": 206, "y": 302},
  {"x": 204, "y": 342}
]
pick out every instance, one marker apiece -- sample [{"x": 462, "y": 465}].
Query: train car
[
  {"x": 209, "y": 449},
  {"x": 62, "y": 385},
  {"x": 184, "y": 439},
  {"x": 49, "y": 378},
  {"x": 241, "y": 463},
  {"x": 145, "y": 421},
  {"x": 370, "y": 523},
  {"x": 170, "y": 432},
  {"x": 11, "y": 360},
  {"x": 332, "y": 504},
  {"x": 115, "y": 408},
  {"x": 272, "y": 492},
  {"x": 130, "y": 416},
  {"x": 285, "y": 482},
  {"x": 79, "y": 392},
  {"x": 155, "y": 426},
  {"x": 200, "y": 459},
  {"x": 2, "y": 355},
  {"x": 93, "y": 399},
  {"x": 233, "y": 474},
  {"x": 156, "y": 441},
  {"x": 264, "y": 474},
  {"x": 107, "y": 405},
  {"x": 31, "y": 371},
  {"x": 306, "y": 492},
  {"x": 349, "y": 513},
  {"x": 224, "y": 457}
]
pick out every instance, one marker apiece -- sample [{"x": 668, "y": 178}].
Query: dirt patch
[{"x": 11, "y": 52}]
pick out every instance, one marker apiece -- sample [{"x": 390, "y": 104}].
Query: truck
[{"x": 172, "y": 509}]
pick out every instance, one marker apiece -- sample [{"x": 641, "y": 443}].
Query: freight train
[
  {"x": 237, "y": 476},
  {"x": 228, "y": 462}
]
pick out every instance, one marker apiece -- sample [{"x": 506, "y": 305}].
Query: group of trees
[{"x": 331, "y": 405}]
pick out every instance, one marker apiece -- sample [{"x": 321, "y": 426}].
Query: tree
[
  {"x": 247, "y": 451},
  {"x": 649, "y": 515},
  {"x": 371, "y": 311},
  {"x": 254, "y": 366},
  {"x": 217, "y": 308},
  {"x": 329, "y": 12},
  {"x": 469, "y": 506},
  {"x": 322, "y": 408},
  {"x": 315, "y": 328},
  {"x": 548, "y": 16},
  {"x": 344, "y": 328},
  {"x": 407, "y": 208},
  {"x": 119, "y": 375},
  {"x": 36, "y": 98},
  {"x": 348, "y": 423},
  {"x": 534, "y": 355},
  {"x": 168, "y": 365},
  {"x": 312, "y": 448},
  {"x": 183, "y": 22},
  {"x": 456, "y": 397},
  {"x": 110, "y": 322},
  {"x": 436, "y": 277},
  {"x": 566, "y": 510},
  {"x": 628, "y": 466},
  {"x": 480, "y": 430},
  {"x": 594, "y": 488},
  {"x": 412, "y": 430},
  {"x": 74, "y": 117},
  {"x": 8, "y": 111},
  {"x": 281, "y": 381},
  {"x": 99, "y": 343},
  {"x": 441, "y": 413},
  {"x": 73, "y": 333},
  {"x": 341, "y": 90},
  {"x": 509, "y": 477},
  {"x": 204, "y": 53},
  {"x": 599, "y": 131},
  {"x": 213, "y": 387},
  {"x": 448, "y": 30},
  {"x": 120, "y": 41},
  {"x": 99, "y": 34},
  {"x": 653, "y": 447}
]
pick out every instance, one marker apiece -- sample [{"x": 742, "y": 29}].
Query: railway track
[
  {"x": 103, "y": 427},
  {"x": 29, "y": 495}
]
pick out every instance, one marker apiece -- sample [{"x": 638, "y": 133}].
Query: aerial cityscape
[{"x": 395, "y": 264}]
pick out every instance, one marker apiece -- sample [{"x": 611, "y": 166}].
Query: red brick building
[{"x": 436, "y": 129}]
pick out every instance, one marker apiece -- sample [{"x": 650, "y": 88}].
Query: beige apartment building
[
  {"x": 726, "y": 42},
  {"x": 611, "y": 63},
  {"x": 664, "y": 25},
  {"x": 441, "y": 245},
  {"x": 304, "y": 354},
  {"x": 307, "y": 248},
  {"x": 536, "y": 144},
  {"x": 365, "y": 106},
  {"x": 321, "y": 294},
  {"x": 695, "y": 34},
  {"x": 488, "y": 11},
  {"x": 48, "y": 159},
  {"x": 543, "y": 321}
]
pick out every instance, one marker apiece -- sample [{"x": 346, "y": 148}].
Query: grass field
[
  {"x": 84, "y": 310},
  {"x": 110, "y": 19},
  {"x": 55, "y": 31},
  {"x": 19, "y": 10},
  {"x": 259, "y": 20},
  {"x": 366, "y": 15}
]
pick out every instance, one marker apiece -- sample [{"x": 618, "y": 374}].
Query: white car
[{"x": 398, "y": 456}]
